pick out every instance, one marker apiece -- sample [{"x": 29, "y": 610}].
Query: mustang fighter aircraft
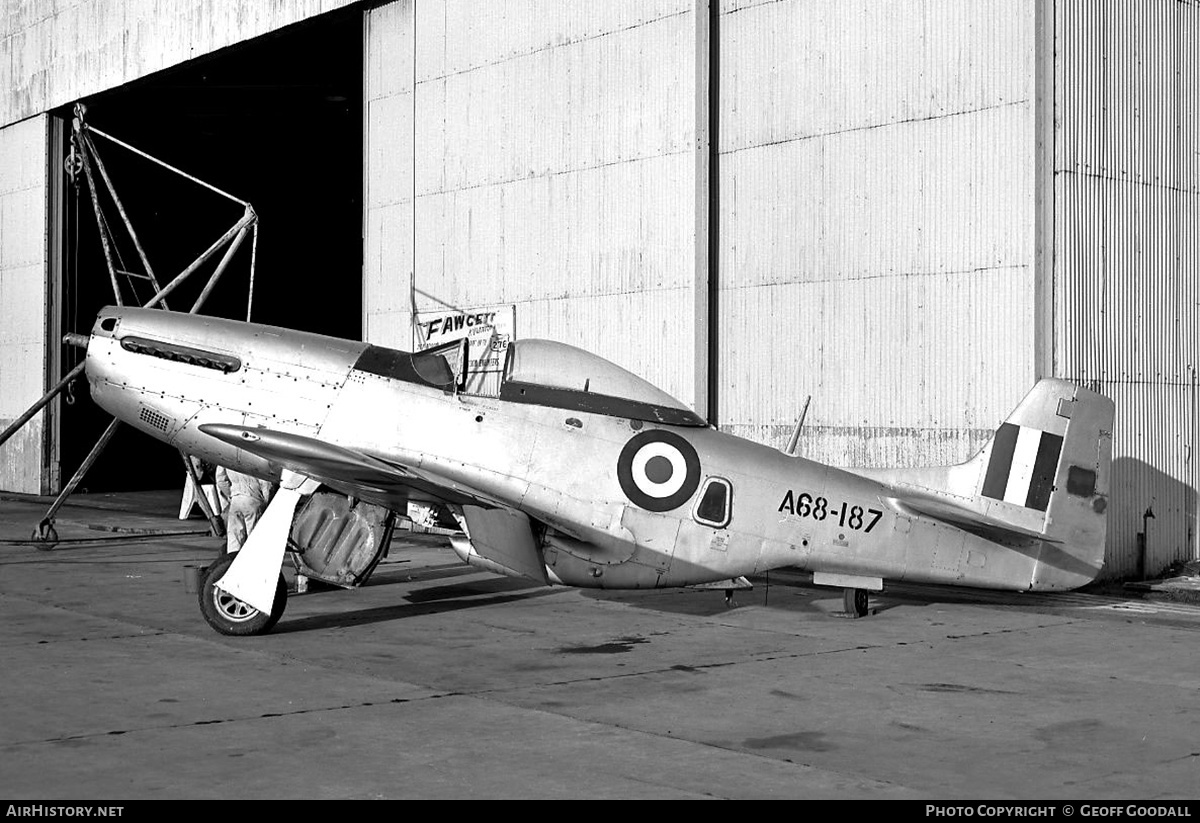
[{"x": 571, "y": 470}]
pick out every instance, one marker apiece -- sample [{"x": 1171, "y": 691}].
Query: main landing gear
[
  {"x": 231, "y": 616},
  {"x": 855, "y": 602}
]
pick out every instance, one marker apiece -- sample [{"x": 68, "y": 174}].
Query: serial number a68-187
[{"x": 803, "y": 504}]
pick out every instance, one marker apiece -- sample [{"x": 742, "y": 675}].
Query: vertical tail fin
[{"x": 1047, "y": 470}]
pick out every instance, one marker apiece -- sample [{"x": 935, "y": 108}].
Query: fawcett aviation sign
[
  {"x": 489, "y": 330},
  {"x": 442, "y": 327}
]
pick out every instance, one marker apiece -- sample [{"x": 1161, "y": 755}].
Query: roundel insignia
[{"x": 658, "y": 470}]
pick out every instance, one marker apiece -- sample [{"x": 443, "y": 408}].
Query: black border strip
[{"x": 714, "y": 209}]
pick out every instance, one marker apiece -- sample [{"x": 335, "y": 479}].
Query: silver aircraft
[{"x": 569, "y": 470}]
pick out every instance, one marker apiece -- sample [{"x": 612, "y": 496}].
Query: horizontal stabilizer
[{"x": 967, "y": 519}]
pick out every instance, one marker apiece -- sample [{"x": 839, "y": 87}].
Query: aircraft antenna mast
[{"x": 795, "y": 438}]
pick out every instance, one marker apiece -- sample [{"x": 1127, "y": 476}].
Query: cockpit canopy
[
  {"x": 537, "y": 372},
  {"x": 560, "y": 366},
  {"x": 548, "y": 373}
]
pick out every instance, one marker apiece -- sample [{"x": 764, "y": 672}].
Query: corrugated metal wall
[
  {"x": 877, "y": 224},
  {"x": 52, "y": 54},
  {"x": 1126, "y": 291},
  {"x": 553, "y": 169},
  {"x": 23, "y": 309},
  {"x": 388, "y": 175}
]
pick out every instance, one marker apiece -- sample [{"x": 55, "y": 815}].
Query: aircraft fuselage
[{"x": 618, "y": 516}]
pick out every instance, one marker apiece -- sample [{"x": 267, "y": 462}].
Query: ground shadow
[{"x": 450, "y": 601}]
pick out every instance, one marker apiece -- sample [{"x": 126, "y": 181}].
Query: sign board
[{"x": 489, "y": 331}]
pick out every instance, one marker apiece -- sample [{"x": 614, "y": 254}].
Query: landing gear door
[{"x": 338, "y": 541}]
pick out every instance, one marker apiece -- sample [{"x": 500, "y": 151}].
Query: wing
[
  {"x": 498, "y": 532},
  {"x": 346, "y": 470}
]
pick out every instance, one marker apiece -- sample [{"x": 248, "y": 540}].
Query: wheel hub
[{"x": 231, "y": 608}]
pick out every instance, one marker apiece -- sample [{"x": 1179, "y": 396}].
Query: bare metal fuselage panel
[{"x": 625, "y": 489}]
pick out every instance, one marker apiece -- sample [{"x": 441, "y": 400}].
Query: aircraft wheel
[
  {"x": 231, "y": 616},
  {"x": 855, "y": 602}
]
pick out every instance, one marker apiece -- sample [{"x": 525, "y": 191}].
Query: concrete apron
[{"x": 439, "y": 681}]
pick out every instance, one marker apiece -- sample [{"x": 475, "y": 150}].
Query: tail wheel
[
  {"x": 855, "y": 602},
  {"x": 228, "y": 615}
]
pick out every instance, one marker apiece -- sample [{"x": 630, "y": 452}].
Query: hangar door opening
[{"x": 275, "y": 121}]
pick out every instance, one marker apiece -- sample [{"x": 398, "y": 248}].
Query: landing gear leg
[{"x": 855, "y": 602}]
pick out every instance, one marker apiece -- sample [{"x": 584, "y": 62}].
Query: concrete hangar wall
[{"x": 909, "y": 211}]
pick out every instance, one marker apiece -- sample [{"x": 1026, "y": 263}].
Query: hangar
[{"x": 907, "y": 211}]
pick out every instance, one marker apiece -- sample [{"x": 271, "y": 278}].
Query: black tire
[
  {"x": 228, "y": 615},
  {"x": 855, "y": 602}
]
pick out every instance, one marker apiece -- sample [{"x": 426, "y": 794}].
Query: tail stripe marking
[
  {"x": 1044, "y": 469},
  {"x": 1001, "y": 461},
  {"x": 1022, "y": 466}
]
